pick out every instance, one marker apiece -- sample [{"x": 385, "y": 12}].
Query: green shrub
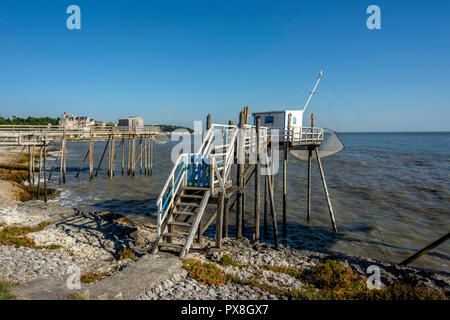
[{"x": 208, "y": 273}]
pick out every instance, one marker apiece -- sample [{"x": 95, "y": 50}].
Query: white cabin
[{"x": 279, "y": 120}]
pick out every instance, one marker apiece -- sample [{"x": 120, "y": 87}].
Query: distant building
[
  {"x": 111, "y": 124},
  {"x": 134, "y": 122},
  {"x": 71, "y": 121}
]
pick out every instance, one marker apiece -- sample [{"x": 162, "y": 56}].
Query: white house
[
  {"x": 134, "y": 122},
  {"x": 71, "y": 121},
  {"x": 279, "y": 120}
]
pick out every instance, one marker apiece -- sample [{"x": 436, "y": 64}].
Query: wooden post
[
  {"x": 240, "y": 175},
  {"x": 53, "y": 167},
  {"x": 29, "y": 165},
  {"x": 123, "y": 153},
  {"x": 33, "y": 164},
  {"x": 308, "y": 195},
  {"x": 129, "y": 154},
  {"x": 39, "y": 176},
  {"x": 81, "y": 166},
  {"x": 208, "y": 121},
  {"x": 145, "y": 155},
  {"x": 64, "y": 142},
  {"x": 113, "y": 158},
  {"x": 425, "y": 250},
  {"x": 225, "y": 217},
  {"x": 61, "y": 164},
  {"x": 330, "y": 208},
  {"x": 285, "y": 158},
  {"x": 140, "y": 155},
  {"x": 91, "y": 156},
  {"x": 257, "y": 181},
  {"x": 109, "y": 156},
  {"x": 133, "y": 156},
  {"x": 266, "y": 190},
  {"x": 17, "y": 159},
  {"x": 200, "y": 230},
  {"x": 219, "y": 219},
  {"x": 151, "y": 156},
  {"x": 101, "y": 159},
  {"x": 272, "y": 208},
  {"x": 45, "y": 169}
]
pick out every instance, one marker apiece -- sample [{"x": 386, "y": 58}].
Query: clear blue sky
[{"x": 175, "y": 61}]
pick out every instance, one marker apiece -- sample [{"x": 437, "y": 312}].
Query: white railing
[
  {"x": 305, "y": 135},
  {"x": 168, "y": 194},
  {"x": 218, "y": 137}
]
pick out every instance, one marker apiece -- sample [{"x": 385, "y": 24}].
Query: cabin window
[
  {"x": 294, "y": 120},
  {"x": 268, "y": 119}
]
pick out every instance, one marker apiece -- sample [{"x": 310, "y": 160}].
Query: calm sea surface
[{"x": 390, "y": 194}]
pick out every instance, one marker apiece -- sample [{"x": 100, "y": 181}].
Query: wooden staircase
[{"x": 183, "y": 220}]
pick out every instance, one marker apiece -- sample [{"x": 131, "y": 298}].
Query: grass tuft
[
  {"x": 16, "y": 236},
  {"x": 92, "y": 277},
  {"x": 125, "y": 254},
  {"x": 6, "y": 290},
  {"x": 208, "y": 273},
  {"x": 291, "y": 271}
]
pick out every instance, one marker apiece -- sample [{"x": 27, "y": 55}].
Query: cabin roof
[{"x": 268, "y": 112}]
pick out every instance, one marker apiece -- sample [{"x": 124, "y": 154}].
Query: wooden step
[
  {"x": 193, "y": 196},
  {"x": 180, "y": 224},
  {"x": 188, "y": 204},
  {"x": 172, "y": 245},
  {"x": 196, "y": 188},
  {"x": 175, "y": 235},
  {"x": 187, "y": 213}
]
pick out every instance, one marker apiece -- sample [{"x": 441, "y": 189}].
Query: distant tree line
[{"x": 41, "y": 121}]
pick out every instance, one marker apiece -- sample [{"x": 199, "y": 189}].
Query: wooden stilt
[
  {"x": 219, "y": 219},
  {"x": 17, "y": 160},
  {"x": 129, "y": 155},
  {"x": 330, "y": 208},
  {"x": 151, "y": 156},
  {"x": 285, "y": 159},
  {"x": 33, "y": 164},
  {"x": 272, "y": 210},
  {"x": 29, "y": 164},
  {"x": 425, "y": 250},
  {"x": 308, "y": 194},
  {"x": 145, "y": 155},
  {"x": 133, "y": 155},
  {"x": 109, "y": 156},
  {"x": 45, "y": 170},
  {"x": 53, "y": 167},
  {"x": 240, "y": 175},
  {"x": 113, "y": 158},
  {"x": 91, "y": 156},
  {"x": 61, "y": 164},
  {"x": 140, "y": 156},
  {"x": 64, "y": 142},
  {"x": 101, "y": 158},
  {"x": 200, "y": 231},
  {"x": 257, "y": 182},
  {"x": 225, "y": 217},
  {"x": 81, "y": 166},
  {"x": 39, "y": 176},
  {"x": 123, "y": 153}
]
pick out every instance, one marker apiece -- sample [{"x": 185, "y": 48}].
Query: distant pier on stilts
[{"x": 34, "y": 137}]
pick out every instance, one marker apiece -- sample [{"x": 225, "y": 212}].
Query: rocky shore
[
  {"x": 92, "y": 241},
  {"x": 41, "y": 244}
]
